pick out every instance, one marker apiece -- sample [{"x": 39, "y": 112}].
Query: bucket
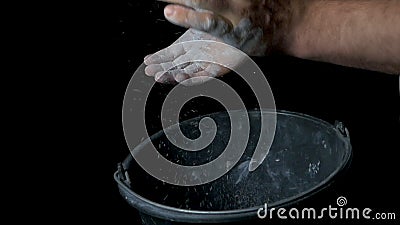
[{"x": 306, "y": 155}]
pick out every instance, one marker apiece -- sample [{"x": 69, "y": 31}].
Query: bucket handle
[
  {"x": 342, "y": 129},
  {"x": 123, "y": 175}
]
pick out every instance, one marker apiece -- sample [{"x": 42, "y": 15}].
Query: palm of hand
[{"x": 167, "y": 65}]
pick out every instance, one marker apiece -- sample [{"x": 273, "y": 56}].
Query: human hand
[
  {"x": 253, "y": 26},
  {"x": 159, "y": 65}
]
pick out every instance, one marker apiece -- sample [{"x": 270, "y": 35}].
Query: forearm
[{"x": 357, "y": 33}]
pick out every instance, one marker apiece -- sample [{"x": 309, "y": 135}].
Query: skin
[
  {"x": 159, "y": 63},
  {"x": 356, "y": 33},
  {"x": 168, "y": 65}
]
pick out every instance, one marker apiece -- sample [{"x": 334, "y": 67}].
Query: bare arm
[{"x": 358, "y": 33}]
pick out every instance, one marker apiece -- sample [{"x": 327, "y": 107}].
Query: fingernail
[
  {"x": 180, "y": 77},
  {"x": 145, "y": 58},
  {"x": 147, "y": 71},
  {"x": 168, "y": 11}
]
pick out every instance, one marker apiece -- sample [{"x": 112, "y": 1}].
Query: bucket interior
[{"x": 306, "y": 153}]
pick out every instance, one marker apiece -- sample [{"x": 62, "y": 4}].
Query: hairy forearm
[{"x": 357, "y": 33}]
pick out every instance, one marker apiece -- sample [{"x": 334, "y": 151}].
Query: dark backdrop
[{"x": 366, "y": 102}]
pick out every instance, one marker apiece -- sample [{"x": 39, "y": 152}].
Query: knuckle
[{"x": 210, "y": 22}]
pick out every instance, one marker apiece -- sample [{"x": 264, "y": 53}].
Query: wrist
[{"x": 284, "y": 27}]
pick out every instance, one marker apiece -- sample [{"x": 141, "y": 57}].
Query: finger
[
  {"x": 202, "y": 69},
  {"x": 222, "y": 71},
  {"x": 168, "y": 54},
  {"x": 178, "y": 64},
  {"x": 212, "y": 70},
  {"x": 188, "y": 80},
  {"x": 204, "y": 75},
  {"x": 167, "y": 66},
  {"x": 152, "y": 69},
  {"x": 146, "y": 57},
  {"x": 164, "y": 77},
  {"x": 212, "y": 5},
  {"x": 179, "y": 77},
  {"x": 242, "y": 29},
  {"x": 254, "y": 45},
  {"x": 203, "y": 21},
  {"x": 194, "y": 68}
]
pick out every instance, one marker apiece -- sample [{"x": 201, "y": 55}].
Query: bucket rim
[{"x": 161, "y": 211}]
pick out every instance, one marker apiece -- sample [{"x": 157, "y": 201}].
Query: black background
[{"x": 366, "y": 102}]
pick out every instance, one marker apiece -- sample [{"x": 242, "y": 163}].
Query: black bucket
[{"x": 306, "y": 154}]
